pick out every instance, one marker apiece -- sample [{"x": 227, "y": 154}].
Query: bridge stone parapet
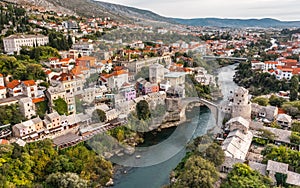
[{"x": 214, "y": 108}]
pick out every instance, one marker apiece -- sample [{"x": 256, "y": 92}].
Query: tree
[
  {"x": 10, "y": 115},
  {"x": 293, "y": 94},
  {"x": 296, "y": 126},
  {"x": 99, "y": 115},
  {"x": 143, "y": 110},
  {"x": 198, "y": 173},
  {"x": 295, "y": 138},
  {"x": 60, "y": 106},
  {"x": 41, "y": 108},
  {"x": 294, "y": 83},
  {"x": 67, "y": 180},
  {"x": 242, "y": 176},
  {"x": 70, "y": 41},
  {"x": 214, "y": 154},
  {"x": 276, "y": 101},
  {"x": 282, "y": 154},
  {"x": 262, "y": 101},
  {"x": 281, "y": 179}
]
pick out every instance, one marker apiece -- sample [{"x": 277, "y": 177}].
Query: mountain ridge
[{"x": 127, "y": 14}]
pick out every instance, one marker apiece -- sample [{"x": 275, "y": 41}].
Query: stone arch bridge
[{"x": 214, "y": 108}]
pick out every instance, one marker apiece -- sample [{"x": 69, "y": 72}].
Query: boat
[{"x": 138, "y": 156}]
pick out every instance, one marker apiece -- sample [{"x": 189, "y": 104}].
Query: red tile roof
[
  {"x": 13, "y": 84},
  {"x": 29, "y": 83},
  {"x": 37, "y": 100},
  {"x": 3, "y": 141},
  {"x": 271, "y": 62}
]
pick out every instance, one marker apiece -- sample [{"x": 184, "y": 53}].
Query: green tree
[
  {"x": 276, "y": 101},
  {"x": 214, "y": 154},
  {"x": 10, "y": 114},
  {"x": 60, "y": 106},
  {"x": 295, "y": 138},
  {"x": 143, "y": 110},
  {"x": 198, "y": 173},
  {"x": 99, "y": 115},
  {"x": 294, "y": 83},
  {"x": 282, "y": 154},
  {"x": 293, "y": 94},
  {"x": 242, "y": 176},
  {"x": 262, "y": 101},
  {"x": 41, "y": 108},
  {"x": 296, "y": 126}
]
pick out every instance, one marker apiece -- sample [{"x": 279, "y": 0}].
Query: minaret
[{"x": 241, "y": 104}]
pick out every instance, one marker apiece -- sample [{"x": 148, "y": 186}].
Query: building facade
[{"x": 14, "y": 43}]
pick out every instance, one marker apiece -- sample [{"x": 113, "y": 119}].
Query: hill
[
  {"x": 128, "y": 14},
  {"x": 217, "y": 22}
]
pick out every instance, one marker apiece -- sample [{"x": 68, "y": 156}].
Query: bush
[{"x": 61, "y": 106}]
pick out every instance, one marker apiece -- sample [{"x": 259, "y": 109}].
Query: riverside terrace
[{"x": 72, "y": 139}]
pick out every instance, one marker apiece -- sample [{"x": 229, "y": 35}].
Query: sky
[{"x": 286, "y": 10}]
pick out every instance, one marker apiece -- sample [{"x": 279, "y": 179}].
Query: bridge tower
[{"x": 241, "y": 104}]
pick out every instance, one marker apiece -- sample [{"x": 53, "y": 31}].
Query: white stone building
[
  {"x": 27, "y": 107},
  {"x": 156, "y": 73},
  {"x": 14, "y": 43}
]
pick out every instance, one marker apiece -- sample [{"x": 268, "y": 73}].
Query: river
[{"x": 200, "y": 121}]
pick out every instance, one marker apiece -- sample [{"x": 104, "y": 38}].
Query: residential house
[
  {"x": 86, "y": 61},
  {"x": 176, "y": 78},
  {"x": 156, "y": 73},
  {"x": 164, "y": 85},
  {"x": 68, "y": 80},
  {"x": 267, "y": 113},
  {"x": 147, "y": 88},
  {"x": 29, "y": 88},
  {"x": 238, "y": 141},
  {"x": 237, "y": 144},
  {"x": 52, "y": 122},
  {"x": 14, "y": 88},
  {"x": 2, "y": 83},
  {"x": 284, "y": 120},
  {"x": 3, "y": 92},
  {"x": 128, "y": 92},
  {"x": 274, "y": 167},
  {"x": 115, "y": 80},
  {"x": 29, "y": 129},
  {"x": 54, "y": 63},
  {"x": 27, "y": 107},
  {"x": 237, "y": 123},
  {"x": 84, "y": 48}
]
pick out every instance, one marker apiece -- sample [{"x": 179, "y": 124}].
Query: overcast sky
[{"x": 278, "y": 9}]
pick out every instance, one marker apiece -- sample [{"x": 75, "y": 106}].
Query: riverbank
[{"x": 200, "y": 119}]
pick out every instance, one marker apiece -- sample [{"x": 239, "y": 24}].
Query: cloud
[{"x": 284, "y": 10}]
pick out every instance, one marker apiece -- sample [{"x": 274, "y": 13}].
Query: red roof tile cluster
[
  {"x": 29, "y": 83},
  {"x": 13, "y": 84},
  {"x": 37, "y": 100}
]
